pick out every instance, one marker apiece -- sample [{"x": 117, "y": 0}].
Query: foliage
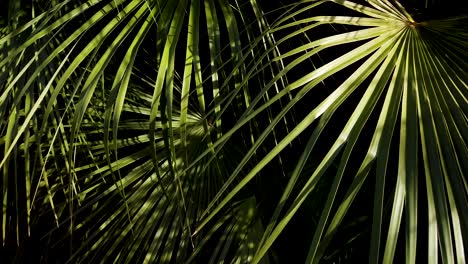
[{"x": 203, "y": 131}]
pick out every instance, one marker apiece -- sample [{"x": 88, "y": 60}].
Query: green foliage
[{"x": 204, "y": 131}]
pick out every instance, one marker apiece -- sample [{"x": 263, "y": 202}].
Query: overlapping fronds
[
  {"x": 150, "y": 131},
  {"x": 412, "y": 76},
  {"x": 107, "y": 116}
]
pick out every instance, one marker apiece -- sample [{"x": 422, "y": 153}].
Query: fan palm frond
[
  {"x": 196, "y": 131},
  {"x": 414, "y": 80},
  {"x": 137, "y": 132}
]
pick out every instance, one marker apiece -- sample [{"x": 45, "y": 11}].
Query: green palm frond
[
  {"x": 187, "y": 131},
  {"x": 121, "y": 138},
  {"x": 157, "y": 216},
  {"x": 414, "y": 81}
]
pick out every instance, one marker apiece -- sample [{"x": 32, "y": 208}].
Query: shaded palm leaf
[{"x": 153, "y": 183}]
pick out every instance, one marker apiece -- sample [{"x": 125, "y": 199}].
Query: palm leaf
[
  {"x": 197, "y": 131},
  {"x": 401, "y": 42}
]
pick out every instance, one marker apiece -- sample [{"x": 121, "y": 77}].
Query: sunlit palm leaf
[{"x": 404, "y": 58}]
